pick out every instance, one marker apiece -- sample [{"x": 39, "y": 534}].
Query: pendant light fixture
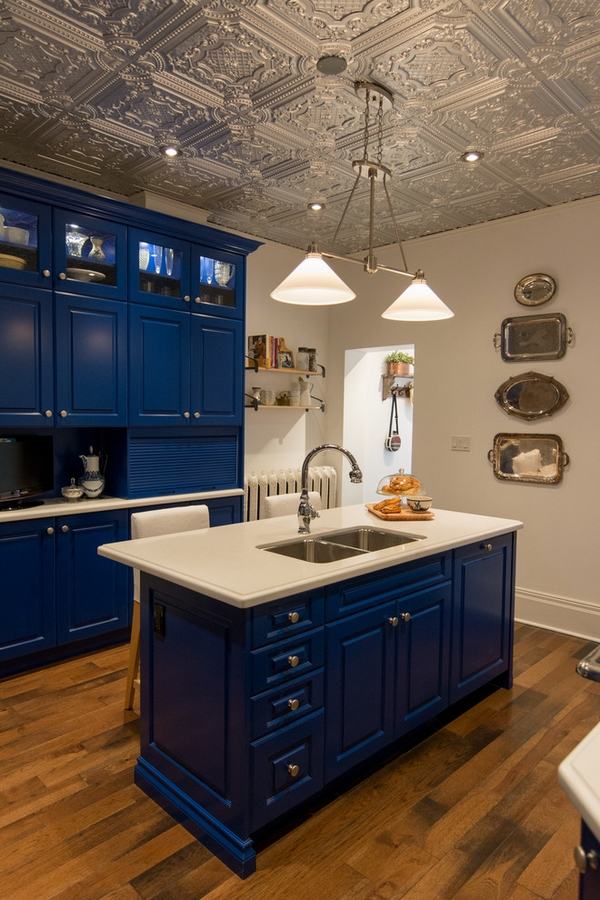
[{"x": 314, "y": 283}]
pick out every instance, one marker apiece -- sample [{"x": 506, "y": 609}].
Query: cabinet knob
[
  {"x": 63, "y": 414},
  {"x": 406, "y": 617},
  {"x": 486, "y": 547},
  {"x": 187, "y": 298},
  {"x": 586, "y": 859},
  {"x": 393, "y": 620},
  {"x": 293, "y": 704},
  {"x": 186, "y": 414},
  {"x": 46, "y": 273},
  {"x": 293, "y": 617},
  {"x": 196, "y": 414},
  {"x": 48, "y": 413},
  {"x": 62, "y": 276},
  {"x": 294, "y": 661},
  {"x": 64, "y": 529},
  {"x": 293, "y": 769},
  {"x": 49, "y": 530},
  {"x": 197, "y": 300}
]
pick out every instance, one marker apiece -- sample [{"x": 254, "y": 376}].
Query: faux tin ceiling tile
[{"x": 90, "y": 90}]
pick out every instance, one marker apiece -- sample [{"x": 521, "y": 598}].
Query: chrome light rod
[{"x": 362, "y": 262}]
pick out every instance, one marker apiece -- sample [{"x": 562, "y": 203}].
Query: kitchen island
[{"x": 266, "y": 677}]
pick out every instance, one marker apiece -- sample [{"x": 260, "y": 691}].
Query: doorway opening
[{"x": 367, "y": 420}]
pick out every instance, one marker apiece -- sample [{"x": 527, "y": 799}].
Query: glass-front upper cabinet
[
  {"x": 89, "y": 255},
  {"x": 159, "y": 270},
  {"x": 25, "y": 242},
  {"x": 218, "y": 282}
]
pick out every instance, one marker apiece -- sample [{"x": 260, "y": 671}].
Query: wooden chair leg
[{"x": 133, "y": 663}]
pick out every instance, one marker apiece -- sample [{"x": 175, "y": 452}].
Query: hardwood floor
[{"x": 474, "y": 811}]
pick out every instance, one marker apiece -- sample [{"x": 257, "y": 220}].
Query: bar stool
[{"x": 153, "y": 523}]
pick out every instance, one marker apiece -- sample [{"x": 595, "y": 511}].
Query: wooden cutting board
[{"x": 403, "y": 515}]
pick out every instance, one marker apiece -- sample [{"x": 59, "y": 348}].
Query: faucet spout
[{"x": 306, "y": 511}]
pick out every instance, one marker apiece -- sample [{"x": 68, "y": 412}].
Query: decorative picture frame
[
  {"x": 286, "y": 359},
  {"x": 528, "y": 458}
]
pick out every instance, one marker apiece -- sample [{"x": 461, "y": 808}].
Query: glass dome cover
[{"x": 399, "y": 484}]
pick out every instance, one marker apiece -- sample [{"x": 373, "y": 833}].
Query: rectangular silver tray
[{"x": 533, "y": 337}]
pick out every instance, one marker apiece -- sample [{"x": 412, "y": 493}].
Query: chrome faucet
[{"x": 306, "y": 511}]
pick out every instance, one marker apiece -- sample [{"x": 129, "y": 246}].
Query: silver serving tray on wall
[
  {"x": 532, "y": 458},
  {"x": 533, "y": 337},
  {"x": 531, "y": 395}
]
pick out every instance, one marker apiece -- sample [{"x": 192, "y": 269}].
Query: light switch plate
[{"x": 458, "y": 442}]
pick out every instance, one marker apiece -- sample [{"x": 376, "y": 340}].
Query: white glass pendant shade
[
  {"x": 418, "y": 303},
  {"x": 313, "y": 283}
]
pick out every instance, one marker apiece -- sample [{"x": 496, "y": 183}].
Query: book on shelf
[{"x": 267, "y": 350}]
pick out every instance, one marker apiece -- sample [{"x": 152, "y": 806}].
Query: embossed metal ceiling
[{"x": 89, "y": 89}]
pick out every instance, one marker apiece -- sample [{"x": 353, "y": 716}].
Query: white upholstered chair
[
  {"x": 287, "y": 504},
  {"x": 153, "y": 523}
]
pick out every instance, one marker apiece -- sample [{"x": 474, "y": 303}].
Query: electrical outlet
[{"x": 460, "y": 443}]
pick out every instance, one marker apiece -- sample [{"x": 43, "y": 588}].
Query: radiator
[{"x": 320, "y": 478}]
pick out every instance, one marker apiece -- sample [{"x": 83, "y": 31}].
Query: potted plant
[{"x": 399, "y": 363}]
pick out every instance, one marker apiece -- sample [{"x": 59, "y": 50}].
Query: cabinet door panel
[
  {"x": 91, "y": 370},
  {"x": 217, "y": 282},
  {"x": 159, "y": 270},
  {"x": 27, "y": 621},
  {"x": 159, "y": 366},
  {"x": 423, "y": 656},
  {"x": 217, "y": 353},
  {"x": 482, "y": 616},
  {"x": 360, "y": 711},
  {"x": 26, "y": 394},
  {"x": 91, "y": 591},
  {"x": 25, "y": 233},
  {"x": 90, "y": 255}
]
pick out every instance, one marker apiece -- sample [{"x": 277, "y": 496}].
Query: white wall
[
  {"x": 474, "y": 270},
  {"x": 366, "y": 422}
]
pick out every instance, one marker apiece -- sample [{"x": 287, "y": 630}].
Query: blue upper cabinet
[
  {"x": 90, "y": 255},
  {"x": 26, "y": 372},
  {"x": 91, "y": 364},
  {"x": 216, "y": 376},
  {"x": 159, "y": 366},
  {"x": 217, "y": 282},
  {"x": 25, "y": 242},
  {"x": 159, "y": 269}
]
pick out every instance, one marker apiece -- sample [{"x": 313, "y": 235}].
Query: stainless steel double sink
[{"x": 336, "y": 545}]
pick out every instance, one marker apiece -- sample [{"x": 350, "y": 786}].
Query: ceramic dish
[
  {"x": 13, "y": 235},
  {"x": 85, "y": 275},
  {"x": 419, "y": 502},
  {"x": 11, "y": 262}
]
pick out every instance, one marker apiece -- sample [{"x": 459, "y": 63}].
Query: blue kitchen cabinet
[
  {"x": 361, "y": 651},
  {"x": 589, "y": 880},
  {"x": 482, "y": 614},
  {"x": 159, "y": 366},
  {"x": 91, "y": 364},
  {"x": 159, "y": 269},
  {"x": 225, "y": 510},
  {"x": 28, "y": 621},
  {"x": 26, "y": 370},
  {"x": 25, "y": 242},
  {"x": 216, "y": 374},
  {"x": 217, "y": 282},
  {"x": 92, "y": 593},
  {"x": 90, "y": 255}
]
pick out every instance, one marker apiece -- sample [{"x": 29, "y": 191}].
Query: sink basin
[
  {"x": 370, "y": 539},
  {"x": 315, "y": 550}
]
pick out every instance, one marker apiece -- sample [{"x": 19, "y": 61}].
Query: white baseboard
[{"x": 565, "y": 614}]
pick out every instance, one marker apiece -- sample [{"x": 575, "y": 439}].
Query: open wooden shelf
[{"x": 281, "y": 370}]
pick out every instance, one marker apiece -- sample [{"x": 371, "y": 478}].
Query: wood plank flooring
[{"x": 474, "y": 811}]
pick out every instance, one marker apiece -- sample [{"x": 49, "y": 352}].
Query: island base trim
[{"x": 237, "y": 853}]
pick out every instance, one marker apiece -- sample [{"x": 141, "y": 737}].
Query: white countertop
[
  {"x": 58, "y": 506},
  {"x": 579, "y": 777},
  {"x": 225, "y": 563}
]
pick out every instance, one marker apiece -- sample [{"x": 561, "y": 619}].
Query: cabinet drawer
[
  {"x": 284, "y": 705},
  {"x": 287, "y": 767},
  {"x": 285, "y": 660},
  {"x": 286, "y": 617},
  {"x": 359, "y": 593}
]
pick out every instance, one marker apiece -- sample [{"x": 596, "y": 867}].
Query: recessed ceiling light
[
  {"x": 472, "y": 156},
  {"x": 170, "y": 151},
  {"x": 316, "y": 205},
  {"x": 332, "y": 65}
]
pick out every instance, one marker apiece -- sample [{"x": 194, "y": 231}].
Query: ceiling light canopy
[
  {"x": 170, "y": 150},
  {"x": 332, "y": 65},
  {"x": 314, "y": 283},
  {"x": 316, "y": 205},
  {"x": 471, "y": 156}
]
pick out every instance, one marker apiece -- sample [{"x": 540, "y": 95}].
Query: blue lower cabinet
[
  {"x": 28, "y": 621},
  {"x": 224, "y": 510},
  {"x": 159, "y": 366},
  {"x": 91, "y": 365},
  {"x": 361, "y": 651},
  {"x": 589, "y": 880},
  {"x": 216, "y": 376},
  {"x": 482, "y": 614},
  {"x": 92, "y": 595}
]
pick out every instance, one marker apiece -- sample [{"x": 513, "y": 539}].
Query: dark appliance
[{"x": 25, "y": 470}]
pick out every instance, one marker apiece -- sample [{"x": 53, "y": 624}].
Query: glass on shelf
[
  {"x": 160, "y": 269},
  {"x": 91, "y": 255},
  {"x": 18, "y": 239},
  {"x": 217, "y": 282}
]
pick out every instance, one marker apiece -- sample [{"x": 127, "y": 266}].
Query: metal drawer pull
[
  {"x": 293, "y": 769},
  {"x": 293, "y": 704},
  {"x": 393, "y": 620},
  {"x": 64, "y": 529},
  {"x": 187, "y": 298},
  {"x": 46, "y": 273},
  {"x": 197, "y": 300},
  {"x": 406, "y": 617},
  {"x": 49, "y": 530},
  {"x": 48, "y": 413},
  {"x": 196, "y": 414},
  {"x": 62, "y": 276},
  {"x": 186, "y": 414},
  {"x": 486, "y": 547},
  {"x": 584, "y": 859},
  {"x": 293, "y": 661},
  {"x": 293, "y": 617},
  {"x": 63, "y": 414}
]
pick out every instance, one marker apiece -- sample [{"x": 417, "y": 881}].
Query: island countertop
[
  {"x": 579, "y": 777},
  {"x": 226, "y": 563}
]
